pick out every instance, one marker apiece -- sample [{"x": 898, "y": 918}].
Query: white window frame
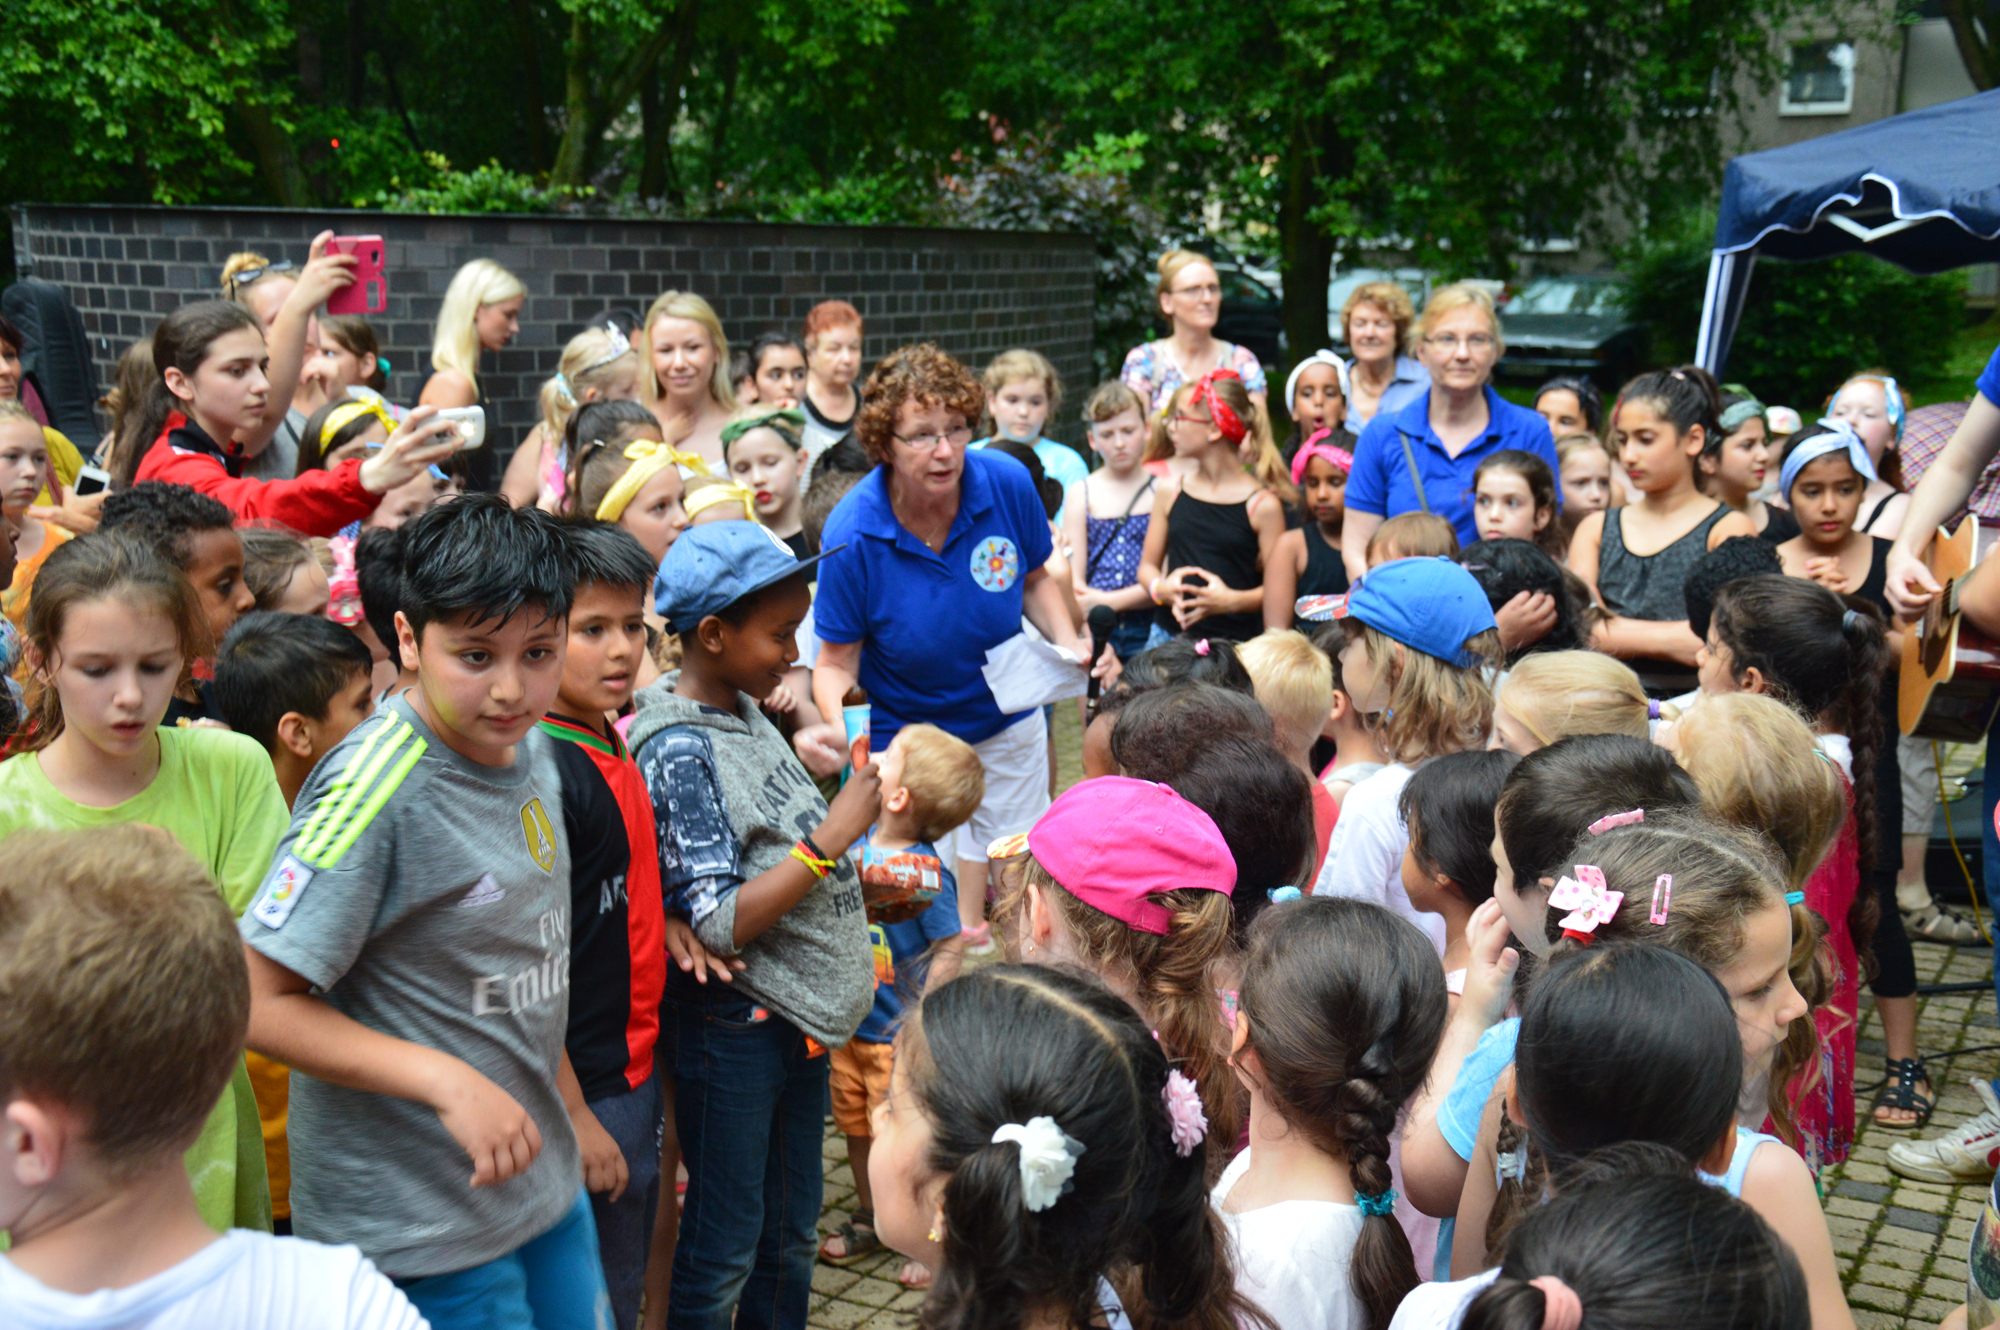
[{"x": 1845, "y": 106}]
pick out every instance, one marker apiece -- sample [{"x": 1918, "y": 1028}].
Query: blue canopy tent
[{"x": 1920, "y": 189}]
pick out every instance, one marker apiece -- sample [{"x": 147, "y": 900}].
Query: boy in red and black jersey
[{"x": 615, "y": 1088}]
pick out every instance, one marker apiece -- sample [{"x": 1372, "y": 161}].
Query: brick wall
[{"x": 973, "y": 292}]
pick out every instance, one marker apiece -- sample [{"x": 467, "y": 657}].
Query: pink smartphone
[{"x": 369, "y": 292}]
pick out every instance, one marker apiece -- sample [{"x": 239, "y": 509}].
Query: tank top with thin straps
[
  {"x": 1650, "y": 586},
  {"x": 1218, "y": 538}
]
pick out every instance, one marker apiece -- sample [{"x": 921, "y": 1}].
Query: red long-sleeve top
[{"x": 318, "y": 503}]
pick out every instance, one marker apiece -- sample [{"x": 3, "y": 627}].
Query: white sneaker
[{"x": 1971, "y": 1153}]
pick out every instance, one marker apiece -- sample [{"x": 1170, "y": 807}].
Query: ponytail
[
  {"x": 1010, "y": 1044},
  {"x": 1346, "y": 1005},
  {"x": 1826, "y": 655},
  {"x": 181, "y": 341}
]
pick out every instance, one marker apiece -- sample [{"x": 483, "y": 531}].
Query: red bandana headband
[{"x": 1226, "y": 420}]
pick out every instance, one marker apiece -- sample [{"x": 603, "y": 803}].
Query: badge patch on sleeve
[
  {"x": 288, "y": 882},
  {"x": 541, "y": 837}
]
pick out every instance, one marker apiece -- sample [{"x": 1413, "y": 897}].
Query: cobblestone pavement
[{"x": 1901, "y": 1245}]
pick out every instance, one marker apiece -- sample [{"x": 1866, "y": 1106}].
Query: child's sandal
[
  {"x": 1899, "y": 1091},
  {"x": 857, "y": 1237}
]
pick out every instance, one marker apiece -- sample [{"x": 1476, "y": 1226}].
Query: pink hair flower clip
[
  {"x": 1201, "y": 647},
  {"x": 1610, "y": 820},
  {"x": 1190, "y": 1124},
  {"x": 1590, "y": 904}
]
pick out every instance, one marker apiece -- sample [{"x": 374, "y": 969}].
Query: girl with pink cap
[{"x": 1130, "y": 881}]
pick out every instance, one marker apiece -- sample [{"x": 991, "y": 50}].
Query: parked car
[
  {"x": 1571, "y": 325},
  {"x": 1253, "y": 314}
]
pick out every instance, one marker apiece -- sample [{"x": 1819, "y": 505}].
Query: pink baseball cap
[{"x": 1116, "y": 843}]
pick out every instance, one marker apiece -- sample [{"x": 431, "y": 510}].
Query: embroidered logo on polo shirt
[
  {"x": 995, "y": 563},
  {"x": 281, "y": 894},
  {"x": 540, "y": 835}
]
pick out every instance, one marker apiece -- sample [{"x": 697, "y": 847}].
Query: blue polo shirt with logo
[
  {"x": 1380, "y": 482},
  {"x": 925, "y": 620}
]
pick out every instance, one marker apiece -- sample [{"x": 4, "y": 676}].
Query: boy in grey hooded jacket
[{"x": 757, "y": 862}]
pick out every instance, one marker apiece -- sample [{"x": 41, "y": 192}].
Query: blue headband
[
  {"x": 1892, "y": 398},
  {"x": 1840, "y": 437}
]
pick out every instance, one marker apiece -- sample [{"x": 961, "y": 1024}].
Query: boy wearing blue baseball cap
[
  {"x": 756, "y": 861},
  {"x": 1421, "y": 641}
]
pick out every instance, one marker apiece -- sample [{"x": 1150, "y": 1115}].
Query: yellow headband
[
  {"x": 649, "y": 458},
  {"x": 346, "y": 414},
  {"x": 728, "y": 492}
]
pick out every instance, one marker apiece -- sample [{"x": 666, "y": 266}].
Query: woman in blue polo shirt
[
  {"x": 1421, "y": 457},
  {"x": 944, "y": 556}
]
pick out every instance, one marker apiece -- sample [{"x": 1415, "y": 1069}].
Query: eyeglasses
[
  {"x": 249, "y": 276},
  {"x": 1451, "y": 342},
  {"x": 1212, "y": 290},
  {"x": 956, "y": 438}
]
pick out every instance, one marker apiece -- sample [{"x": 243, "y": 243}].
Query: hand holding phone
[
  {"x": 468, "y": 422},
  {"x": 369, "y": 291}
]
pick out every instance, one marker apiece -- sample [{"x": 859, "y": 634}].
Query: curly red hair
[{"x": 923, "y": 374}]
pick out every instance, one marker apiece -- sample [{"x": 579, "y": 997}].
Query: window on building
[{"x": 1821, "y": 81}]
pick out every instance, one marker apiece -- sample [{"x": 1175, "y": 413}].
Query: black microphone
[{"x": 1102, "y": 620}]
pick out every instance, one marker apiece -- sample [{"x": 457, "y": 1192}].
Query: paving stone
[
  {"x": 1882, "y": 1276},
  {"x": 1916, "y": 1220},
  {"x": 1877, "y": 1298},
  {"x": 829, "y": 1280},
  {"x": 838, "y": 1315},
  {"x": 1851, "y": 1188},
  {"x": 873, "y": 1292}
]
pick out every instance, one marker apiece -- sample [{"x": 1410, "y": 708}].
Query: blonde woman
[
  {"x": 598, "y": 365},
  {"x": 481, "y": 312},
  {"x": 1190, "y": 295},
  {"x": 684, "y": 372},
  {"x": 1422, "y": 458},
  {"x": 1382, "y": 380}
]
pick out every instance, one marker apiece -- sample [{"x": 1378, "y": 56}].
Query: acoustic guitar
[{"x": 1950, "y": 681}]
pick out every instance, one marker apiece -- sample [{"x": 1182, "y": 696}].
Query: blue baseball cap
[
  {"x": 1431, "y": 605},
  {"x": 716, "y": 564}
]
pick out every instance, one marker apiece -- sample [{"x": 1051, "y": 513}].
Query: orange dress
[{"x": 14, "y": 600}]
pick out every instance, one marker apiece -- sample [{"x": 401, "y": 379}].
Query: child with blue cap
[
  {"x": 1421, "y": 639},
  {"x": 756, "y": 861}
]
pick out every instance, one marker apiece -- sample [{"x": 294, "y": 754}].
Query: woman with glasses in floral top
[
  {"x": 1190, "y": 295},
  {"x": 1422, "y": 457}
]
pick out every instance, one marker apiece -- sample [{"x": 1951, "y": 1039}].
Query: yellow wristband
[{"x": 820, "y": 867}]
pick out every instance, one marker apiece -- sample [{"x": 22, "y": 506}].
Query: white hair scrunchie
[{"x": 1048, "y": 1159}]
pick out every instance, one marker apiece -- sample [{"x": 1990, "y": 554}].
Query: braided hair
[
  {"x": 1009, "y": 1043},
  {"x": 1346, "y": 1004}
]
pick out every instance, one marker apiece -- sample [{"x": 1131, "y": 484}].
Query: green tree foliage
[
  {"x": 1457, "y": 132},
  {"x": 1805, "y": 326}
]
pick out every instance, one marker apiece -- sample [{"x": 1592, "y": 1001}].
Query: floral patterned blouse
[{"x": 1150, "y": 372}]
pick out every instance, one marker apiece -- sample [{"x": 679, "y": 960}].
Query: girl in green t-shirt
[{"x": 111, "y": 631}]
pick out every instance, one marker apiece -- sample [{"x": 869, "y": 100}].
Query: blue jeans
[
  {"x": 552, "y": 1282},
  {"x": 749, "y": 1105},
  {"x": 625, "y": 1226}
]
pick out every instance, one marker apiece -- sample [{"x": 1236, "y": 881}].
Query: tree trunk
[
  {"x": 1980, "y": 51},
  {"x": 580, "y": 125},
  {"x": 537, "y": 127},
  {"x": 1306, "y": 250},
  {"x": 276, "y": 160},
  {"x": 655, "y": 135}
]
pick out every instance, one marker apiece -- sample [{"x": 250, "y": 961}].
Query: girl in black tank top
[
  {"x": 1307, "y": 560},
  {"x": 1212, "y": 531},
  {"x": 1664, "y": 420}
]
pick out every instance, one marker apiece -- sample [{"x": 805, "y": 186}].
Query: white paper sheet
[{"x": 1024, "y": 673}]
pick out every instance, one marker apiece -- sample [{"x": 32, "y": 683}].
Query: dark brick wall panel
[{"x": 976, "y": 293}]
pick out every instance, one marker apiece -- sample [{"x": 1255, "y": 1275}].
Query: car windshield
[{"x": 1567, "y": 295}]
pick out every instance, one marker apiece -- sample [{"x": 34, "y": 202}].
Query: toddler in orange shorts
[{"x": 931, "y": 784}]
